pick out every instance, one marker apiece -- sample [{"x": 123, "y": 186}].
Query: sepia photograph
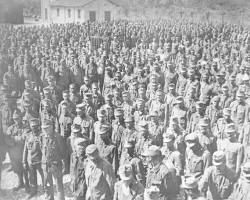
[{"x": 124, "y": 99}]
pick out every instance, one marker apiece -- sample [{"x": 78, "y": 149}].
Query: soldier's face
[
  {"x": 65, "y": 96},
  {"x": 129, "y": 125},
  {"x": 101, "y": 118},
  {"x": 35, "y": 130}
]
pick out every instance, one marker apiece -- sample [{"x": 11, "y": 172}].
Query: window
[
  {"x": 46, "y": 13},
  {"x": 58, "y": 12},
  {"x": 69, "y": 13},
  {"x": 79, "y": 13}
]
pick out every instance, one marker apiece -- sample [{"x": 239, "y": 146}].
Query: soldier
[
  {"x": 15, "y": 141},
  {"x": 241, "y": 190},
  {"x": 218, "y": 180},
  {"x": 118, "y": 127},
  {"x": 239, "y": 111},
  {"x": 79, "y": 115},
  {"x": 206, "y": 139},
  {"x": 109, "y": 108},
  {"x": 155, "y": 129},
  {"x": 87, "y": 126},
  {"x": 141, "y": 112},
  {"x": 97, "y": 98},
  {"x": 65, "y": 122},
  {"x": 225, "y": 98},
  {"x": 159, "y": 106},
  {"x": 127, "y": 188},
  {"x": 88, "y": 106},
  {"x": 219, "y": 128},
  {"x": 70, "y": 105},
  {"x": 234, "y": 151},
  {"x": 107, "y": 149},
  {"x": 179, "y": 138},
  {"x": 195, "y": 117},
  {"x": 182, "y": 81},
  {"x": 99, "y": 174},
  {"x": 159, "y": 174},
  {"x": 77, "y": 172},
  {"x": 173, "y": 159},
  {"x": 191, "y": 189},
  {"x": 128, "y": 156},
  {"x": 213, "y": 111},
  {"x": 196, "y": 158},
  {"x": 127, "y": 104},
  {"x": 179, "y": 110},
  {"x": 52, "y": 155},
  {"x": 74, "y": 97},
  {"x": 86, "y": 87},
  {"x": 32, "y": 156},
  {"x": 101, "y": 116},
  {"x": 142, "y": 138}
]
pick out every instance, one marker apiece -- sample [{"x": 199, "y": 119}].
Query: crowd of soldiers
[{"x": 130, "y": 109}]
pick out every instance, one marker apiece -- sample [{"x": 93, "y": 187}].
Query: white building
[{"x": 67, "y": 11}]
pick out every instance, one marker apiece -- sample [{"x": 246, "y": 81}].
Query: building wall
[{"x": 99, "y": 6}]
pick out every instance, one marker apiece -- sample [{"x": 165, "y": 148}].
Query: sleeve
[
  {"x": 240, "y": 158},
  {"x": 115, "y": 192},
  {"x": 25, "y": 153},
  {"x": 207, "y": 160},
  {"x": 110, "y": 177},
  {"x": 203, "y": 184}
]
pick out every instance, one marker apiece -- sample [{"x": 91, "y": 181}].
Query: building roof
[{"x": 79, "y": 3}]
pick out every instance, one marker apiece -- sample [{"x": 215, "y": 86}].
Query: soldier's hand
[{"x": 25, "y": 166}]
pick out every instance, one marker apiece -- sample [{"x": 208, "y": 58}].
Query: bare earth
[{"x": 9, "y": 181}]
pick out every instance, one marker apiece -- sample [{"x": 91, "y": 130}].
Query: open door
[
  {"x": 107, "y": 16},
  {"x": 92, "y": 16}
]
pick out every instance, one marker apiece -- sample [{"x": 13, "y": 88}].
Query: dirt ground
[{"x": 9, "y": 181}]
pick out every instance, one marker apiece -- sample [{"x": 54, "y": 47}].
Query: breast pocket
[{"x": 197, "y": 166}]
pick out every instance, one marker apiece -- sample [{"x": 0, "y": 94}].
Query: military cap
[
  {"x": 47, "y": 124},
  {"x": 108, "y": 97},
  {"x": 65, "y": 92},
  {"x": 174, "y": 120},
  {"x": 124, "y": 93},
  {"x": 169, "y": 138},
  {"x": 183, "y": 69},
  {"x": 17, "y": 114},
  {"x": 64, "y": 104},
  {"x": 153, "y": 114},
  {"x": 245, "y": 77},
  {"x": 227, "y": 111},
  {"x": 215, "y": 98},
  {"x": 141, "y": 87},
  {"x": 79, "y": 107},
  {"x": 240, "y": 93},
  {"x": 108, "y": 68},
  {"x": 153, "y": 151},
  {"x": 27, "y": 103},
  {"x": 129, "y": 119},
  {"x": 118, "y": 112},
  {"x": 171, "y": 85},
  {"x": 191, "y": 139},
  {"x": 143, "y": 125},
  {"x": 46, "y": 90},
  {"x": 246, "y": 170},
  {"x": 75, "y": 129},
  {"x": 129, "y": 143},
  {"x": 230, "y": 129},
  {"x": 232, "y": 77},
  {"x": 219, "y": 158},
  {"x": 178, "y": 100},
  {"x": 225, "y": 87},
  {"x": 101, "y": 112},
  {"x": 91, "y": 149},
  {"x": 104, "y": 129},
  {"x": 204, "y": 122},
  {"x": 81, "y": 142},
  {"x": 126, "y": 172},
  {"x": 51, "y": 78},
  {"x": 34, "y": 122},
  {"x": 190, "y": 183},
  {"x": 88, "y": 95},
  {"x": 27, "y": 83},
  {"x": 200, "y": 104}
]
